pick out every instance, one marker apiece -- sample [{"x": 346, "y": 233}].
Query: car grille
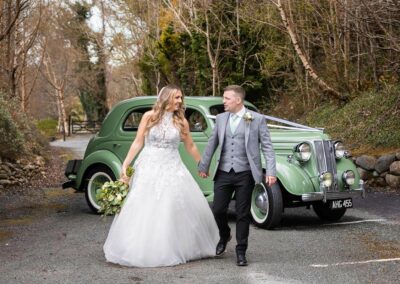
[{"x": 326, "y": 160}]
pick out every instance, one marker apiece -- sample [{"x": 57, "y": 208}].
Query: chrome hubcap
[{"x": 262, "y": 202}]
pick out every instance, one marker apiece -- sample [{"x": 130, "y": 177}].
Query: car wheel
[
  {"x": 96, "y": 177},
  {"x": 327, "y": 214},
  {"x": 266, "y": 205}
]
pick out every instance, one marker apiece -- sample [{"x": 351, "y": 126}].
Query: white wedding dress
[{"x": 166, "y": 219}]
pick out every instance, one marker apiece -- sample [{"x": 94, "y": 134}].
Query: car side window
[
  {"x": 131, "y": 122},
  {"x": 196, "y": 120}
]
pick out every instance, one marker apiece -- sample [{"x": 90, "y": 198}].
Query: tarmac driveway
[{"x": 54, "y": 238}]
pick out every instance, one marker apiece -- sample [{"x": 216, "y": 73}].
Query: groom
[{"x": 239, "y": 133}]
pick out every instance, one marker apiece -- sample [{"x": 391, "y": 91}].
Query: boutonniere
[{"x": 248, "y": 117}]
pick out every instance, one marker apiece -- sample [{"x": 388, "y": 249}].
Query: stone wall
[
  {"x": 380, "y": 171},
  {"x": 20, "y": 172}
]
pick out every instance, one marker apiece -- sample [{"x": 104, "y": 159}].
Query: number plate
[{"x": 342, "y": 203}]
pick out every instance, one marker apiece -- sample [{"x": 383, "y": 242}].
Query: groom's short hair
[{"x": 238, "y": 90}]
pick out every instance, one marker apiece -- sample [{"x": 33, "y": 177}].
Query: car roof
[
  {"x": 207, "y": 99},
  {"x": 121, "y": 107}
]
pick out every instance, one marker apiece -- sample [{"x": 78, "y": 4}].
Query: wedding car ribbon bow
[{"x": 159, "y": 94}]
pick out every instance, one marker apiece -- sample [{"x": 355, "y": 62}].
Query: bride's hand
[{"x": 123, "y": 177}]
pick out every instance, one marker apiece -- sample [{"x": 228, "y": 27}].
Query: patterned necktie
[{"x": 234, "y": 121}]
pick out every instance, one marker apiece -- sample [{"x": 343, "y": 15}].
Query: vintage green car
[{"x": 312, "y": 169}]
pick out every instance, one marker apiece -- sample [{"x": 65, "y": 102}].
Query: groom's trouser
[{"x": 242, "y": 184}]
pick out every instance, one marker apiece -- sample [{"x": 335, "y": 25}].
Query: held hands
[
  {"x": 270, "y": 180},
  {"x": 202, "y": 174}
]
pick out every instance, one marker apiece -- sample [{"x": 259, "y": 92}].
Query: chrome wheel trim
[{"x": 91, "y": 193}]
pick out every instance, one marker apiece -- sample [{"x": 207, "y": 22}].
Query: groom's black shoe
[
  {"x": 221, "y": 246},
  {"x": 241, "y": 259}
]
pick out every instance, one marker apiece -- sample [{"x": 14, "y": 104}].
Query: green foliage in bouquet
[{"x": 111, "y": 195}]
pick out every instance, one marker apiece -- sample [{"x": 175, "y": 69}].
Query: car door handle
[{"x": 115, "y": 145}]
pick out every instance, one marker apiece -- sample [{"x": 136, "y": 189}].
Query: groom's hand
[
  {"x": 203, "y": 174},
  {"x": 270, "y": 180}
]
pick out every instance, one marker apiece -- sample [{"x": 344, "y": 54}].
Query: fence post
[
  {"x": 69, "y": 125},
  {"x": 63, "y": 130}
]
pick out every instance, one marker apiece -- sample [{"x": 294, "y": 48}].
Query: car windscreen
[{"x": 217, "y": 109}]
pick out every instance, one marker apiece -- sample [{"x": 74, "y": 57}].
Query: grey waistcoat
[{"x": 233, "y": 154}]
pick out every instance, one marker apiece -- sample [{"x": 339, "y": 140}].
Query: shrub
[
  {"x": 12, "y": 141},
  {"x": 47, "y": 127},
  {"x": 19, "y": 137}
]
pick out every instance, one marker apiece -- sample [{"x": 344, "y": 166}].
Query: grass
[
  {"x": 47, "y": 127},
  {"x": 370, "y": 123}
]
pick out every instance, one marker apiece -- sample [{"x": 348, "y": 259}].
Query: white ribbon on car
[{"x": 159, "y": 93}]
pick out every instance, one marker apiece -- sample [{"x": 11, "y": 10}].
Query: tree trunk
[
  {"x": 22, "y": 89},
  {"x": 346, "y": 44},
  {"x": 212, "y": 56},
  {"x": 59, "y": 117},
  {"x": 59, "y": 87},
  {"x": 63, "y": 113},
  {"x": 358, "y": 75},
  {"x": 11, "y": 70}
]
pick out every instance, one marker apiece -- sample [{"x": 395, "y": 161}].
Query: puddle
[
  {"x": 52, "y": 207},
  {"x": 54, "y": 193},
  {"x": 29, "y": 212},
  {"x": 4, "y": 235},
  {"x": 383, "y": 249},
  {"x": 16, "y": 221},
  {"x": 32, "y": 209}
]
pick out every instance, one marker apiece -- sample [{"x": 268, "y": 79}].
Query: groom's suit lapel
[
  {"x": 224, "y": 123},
  {"x": 246, "y": 131}
]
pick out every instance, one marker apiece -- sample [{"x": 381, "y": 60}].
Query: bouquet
[{"x": 111, "y": 195}]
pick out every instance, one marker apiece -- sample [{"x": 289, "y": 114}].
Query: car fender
[
  {"x": 343, "y": 165},
  {"x": 293, "y": 178},
  {"x": 103, "y": 157}
]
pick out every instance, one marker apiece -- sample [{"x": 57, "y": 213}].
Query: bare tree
[
  {"x": 10, "y": 13},
  {"x": 181, "y": 10},
  {"x": 19, "y": 23},
  {"x": 310, "y": 70},
  {"x": 27, "y": 34},
  {"x": 57, "y": 59}
]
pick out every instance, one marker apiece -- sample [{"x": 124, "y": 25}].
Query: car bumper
[
  {"x": 324, "y": 196},
  {"x": 71, "y": 171}
]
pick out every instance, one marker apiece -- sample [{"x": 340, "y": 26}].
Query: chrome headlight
[
  {"x": 303, "y": 152},
  {"x": 349, "y": 177},
  {"x": 340, "y": 150},
  {"x": 326, "y": 179}
]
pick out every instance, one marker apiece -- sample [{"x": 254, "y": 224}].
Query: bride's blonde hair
[{"x": 165, "y": 99}]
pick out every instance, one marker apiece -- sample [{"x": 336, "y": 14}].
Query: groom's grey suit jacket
[{"x": 257, "y": 138}]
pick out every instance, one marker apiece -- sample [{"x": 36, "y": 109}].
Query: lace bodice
[{"x": 164, "y": 134}]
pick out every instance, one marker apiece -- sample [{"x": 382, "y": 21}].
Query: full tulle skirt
[{"x": 165, "y": 220}]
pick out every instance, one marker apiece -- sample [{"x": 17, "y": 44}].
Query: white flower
[{"x": 248, "y": 117}]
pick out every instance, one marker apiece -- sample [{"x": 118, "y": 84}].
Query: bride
[{"x": 165, "y": 220}]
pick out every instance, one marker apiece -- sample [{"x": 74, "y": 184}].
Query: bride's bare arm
[
  {"x": 190, "y": 147},
  {"x": 137, "y": 143}
]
